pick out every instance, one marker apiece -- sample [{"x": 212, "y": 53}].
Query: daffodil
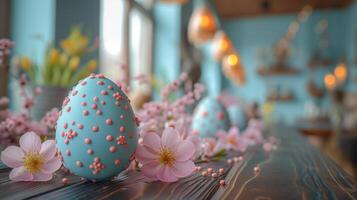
[
  {"x": 76, "y": 43},
  {"x": 26, "y": 63},
  {"x": 54, "y": 56},
  {"x": 63, "y": 59},
  {"x": 74, "y": 63}
]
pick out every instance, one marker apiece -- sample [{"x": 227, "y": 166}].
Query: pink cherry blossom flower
[
  {"x": 256, "y": 123},
  {"x": 211, "y": 146},
  {"x": 32, "y": 161},
  {"x": 253, "y": 136},
  {"x": 165, "y": 158},
  {"x": 232, "y": 140}
]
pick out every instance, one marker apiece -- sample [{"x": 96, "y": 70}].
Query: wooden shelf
[
  {"x": 319, "y": 63},
  {"x": 281, "y": 98},
  {"x": 277, "y": 71}
]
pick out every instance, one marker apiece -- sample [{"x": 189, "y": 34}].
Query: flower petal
[
  {"x": 165, "y": 174},
  {"x": 183, "y": 169},
  {"x": 184, "y": 150},
  {"x": 151, "y": 169},
  {"x": 12, "y": 156},
  {"x": 48, "y": 150},
  {"x": 152, "y": 141},
  {"x": 51, "y": 166},
  {"x": 144, "y": 154},
  {"x": 170, "y": 137},
  {"x": 42, "y": 177},
  {"x": 30, "y": 142},
  {"x": 20, "y": 174},
  {"x": 234, "y": 131}
]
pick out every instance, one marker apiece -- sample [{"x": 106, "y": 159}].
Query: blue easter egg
[
  {"x": 209, "y": 117},
  {"x": 237, "y": 116},
  {"x": 96, "y": 131}
]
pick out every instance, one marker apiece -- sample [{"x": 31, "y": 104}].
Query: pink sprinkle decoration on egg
[
  {"x": 66, "y": 141},
  {"x": 69, "y": 109},
  {"x": 68, "y": 152},
  {"x": 103, "y": 103},
  {"x": 220, "y": 115},
  {"x": 99, "y": 112},
  {"x": 79, "y": 163},
  {"x": 85, "y": 112},
  {"x": 109, "y": 121},
  {"x": 121, "y": 116},
  {"x": 84, "y": 95},
  {"x": 94, "y": 106},
  {"x": 84, "y": 103},
  {"x": 214, "y": 175},
  {"x": 96, "y": 159},
  {"x": 110, "y": 138},
  {"x": 83, "y": 82},
  {"x": 222, "y": 182},
  {"x": 87, "y": 140},
  {"x": 65, "y": 181},
  {"x": 99, "y": 76},
  {"x": 74, "y": 93},
  {"x": 96, "y": 99},
  {"x": 117, "y": 162},
  {"x": 122, "y": 129},
  {"x": 80, "y": 126},
  {"x": 73, "y": 122},
  {"x": 95, "y": 128},
  {"x": 90, "y": 151},
  {"x": 110, "y": 87},
  {"x": 112, "y": 149},
  {"x": 65, "y": 125},
  {"x": 100, "y": 83},
  {"x": 104, "y": 92}
]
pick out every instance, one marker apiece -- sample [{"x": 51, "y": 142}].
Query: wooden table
[{"x": 295, "y": 171}]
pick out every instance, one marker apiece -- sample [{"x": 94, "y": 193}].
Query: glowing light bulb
[
  {"x": 202, "y": 26},
  {"x": 340, "y": 72},
  {"x": 232, "y": 59},
  {"x": 221, "y": 45},
  {"x": 330, "y": 81}
]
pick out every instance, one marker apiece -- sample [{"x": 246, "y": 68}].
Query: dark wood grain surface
[{"x": 296, "y": 170}]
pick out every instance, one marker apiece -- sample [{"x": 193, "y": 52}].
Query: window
[{"x": 126, "y": 37}]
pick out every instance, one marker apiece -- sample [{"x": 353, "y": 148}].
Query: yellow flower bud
[
  {"x": 26, "y": 63},
  {"x": 63, "y": 59},
  {"x": 54, "y": 56},
  {"x": 74, "y": 63}
]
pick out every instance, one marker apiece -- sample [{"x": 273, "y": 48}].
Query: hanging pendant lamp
[
  {"x": 341, "y": 73},
  {"x": 202, "y": 26},
  {"x": 221, "y": 45},
  {"x": 232, "y": 68}
]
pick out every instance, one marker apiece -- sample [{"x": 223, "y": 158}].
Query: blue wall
[
  {"x": 167, "y": 42},
  {"x": 32, "y": 26},
  {"x": 249, "y": 35},
  {"x": 32, "y": 29},
  {"x": 352, "y": 47}
]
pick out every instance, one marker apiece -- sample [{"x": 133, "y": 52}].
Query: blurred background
[{"x": 291, "y": 62}]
